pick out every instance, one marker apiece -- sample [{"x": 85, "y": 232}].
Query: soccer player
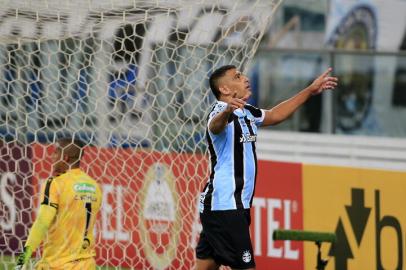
[
  {"x": 66, "y": 217},
  {"x": 231, "y": 135}
]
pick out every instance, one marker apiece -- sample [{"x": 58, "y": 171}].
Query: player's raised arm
[{"x": 284, "y": 109}]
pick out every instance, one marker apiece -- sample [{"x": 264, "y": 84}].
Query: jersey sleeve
[
  {"x": 258, "y": 114},
  {"x": 50, "y": 193},
  {"x": 217, "y": 108},
  {"x": 40, "y": 227}
]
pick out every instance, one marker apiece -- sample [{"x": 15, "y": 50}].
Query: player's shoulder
[
  {"x": 73, "y": 174},
  {"x": 89, "y": 179},
  {"x": 59, "y": 177},
  {"x": 56, "y": 178},
  {"x": 256, "y": 112},
  {"x": 51, "y": 183},
  {"x": 80, "y": 174},
  {"x": 216, "y": 108}
]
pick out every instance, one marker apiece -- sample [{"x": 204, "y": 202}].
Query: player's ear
[
  {"x": 65, "y": 158},
  {"x": 224, "y": 90}
]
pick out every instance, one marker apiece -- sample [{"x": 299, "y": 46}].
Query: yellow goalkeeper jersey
[{"x": 77, "y": 198}]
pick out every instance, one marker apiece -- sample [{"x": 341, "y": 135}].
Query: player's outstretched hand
[{"x": 323, "y": 82}]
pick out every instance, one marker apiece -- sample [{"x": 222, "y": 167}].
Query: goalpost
[{"x": 130, "y": 78}]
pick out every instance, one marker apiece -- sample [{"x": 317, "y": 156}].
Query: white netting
[{"x": 130, "y": 78}]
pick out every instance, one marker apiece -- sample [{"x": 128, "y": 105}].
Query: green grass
[{"x": 7, "y": 263}]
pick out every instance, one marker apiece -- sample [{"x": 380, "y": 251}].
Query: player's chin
[{"x": 247, "y": 94}]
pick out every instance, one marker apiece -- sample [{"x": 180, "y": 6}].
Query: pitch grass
[{"x": 7, "y": 263}]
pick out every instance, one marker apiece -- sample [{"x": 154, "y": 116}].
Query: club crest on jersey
[
  {"x": 246, "y": 256},
  {"x": 245, "y": 138}
]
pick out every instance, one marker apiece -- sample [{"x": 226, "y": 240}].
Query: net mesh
[{"x": 130, "y": 79}]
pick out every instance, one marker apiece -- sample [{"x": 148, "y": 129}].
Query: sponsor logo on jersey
[
  {"x": 84, "y": 188},
  {"x": 245, "y": 138}
]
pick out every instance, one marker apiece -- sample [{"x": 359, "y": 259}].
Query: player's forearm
[
  {"x": 40, "y": 227},
  {"x": 286, "y": 108},
  {"x": 219, "y": 122}
]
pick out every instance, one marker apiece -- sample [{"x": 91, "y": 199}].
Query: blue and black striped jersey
[{"x": 231, "y": 184}]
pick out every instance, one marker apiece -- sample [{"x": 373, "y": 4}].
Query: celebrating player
[
  {"x": 69, "y": 204},
  {"x": 231, "y": 136}
]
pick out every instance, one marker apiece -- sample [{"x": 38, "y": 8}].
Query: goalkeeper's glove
[{"x": 23, "y": 258}]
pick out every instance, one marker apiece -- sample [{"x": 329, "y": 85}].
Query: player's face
[{"x": 236, "y": 81}]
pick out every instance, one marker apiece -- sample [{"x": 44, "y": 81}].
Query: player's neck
[
  {"x": 225, "y": 99},
  {"x": 64, "y": 170}
]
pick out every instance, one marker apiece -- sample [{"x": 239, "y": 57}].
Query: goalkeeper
[{"x": 66, "y": 218}]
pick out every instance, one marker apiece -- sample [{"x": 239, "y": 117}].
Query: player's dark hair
[{"x": 215, "y": 76}]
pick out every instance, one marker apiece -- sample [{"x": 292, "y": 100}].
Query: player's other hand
[
  {"x": 323, "y": 82},
  {"x": 20, "y": 263},
  {"x": 236, "y": 103},
  {"x": 23, "y": 258}
]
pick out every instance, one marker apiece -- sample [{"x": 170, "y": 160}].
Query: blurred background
[{"x": 364, "y": 42}]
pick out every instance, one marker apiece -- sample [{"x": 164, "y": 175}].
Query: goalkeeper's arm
[{"x": 46, "y": 215}]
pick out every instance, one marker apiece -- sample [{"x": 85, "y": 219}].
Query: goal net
[{"x": 129, "y": 78}]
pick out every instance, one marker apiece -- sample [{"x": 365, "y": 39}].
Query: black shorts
[{"x": 226, "y": 238}]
